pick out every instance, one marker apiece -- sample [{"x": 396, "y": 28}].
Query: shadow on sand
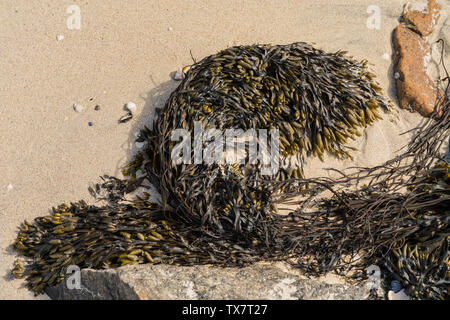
[{"x": 155, "y": 98}]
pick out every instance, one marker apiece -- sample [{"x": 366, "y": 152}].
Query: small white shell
[
  {"x": 401, "y": 295},
  {"x": 60, "y": 37},
  {"x": 179, "y": 75},
  {"x": 131, "y": 106},
  {"x": 10, "y": 187},
  {"x": 78, "y": 108},
  {"x": 386, "y": 57},
  {"x": 397, "y": 75},
  {"x": 140, "y": 145},
  {"x": 169, "y": 29}
]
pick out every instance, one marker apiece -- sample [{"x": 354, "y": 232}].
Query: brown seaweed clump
[{"x": 225, "y": 214}]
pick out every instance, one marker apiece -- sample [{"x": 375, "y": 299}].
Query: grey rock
[{"x": 154, "y": 282}]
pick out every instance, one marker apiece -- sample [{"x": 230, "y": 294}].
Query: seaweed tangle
[{"x": 226, "y": 214}]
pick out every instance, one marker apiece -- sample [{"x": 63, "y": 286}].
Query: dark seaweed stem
[{"x": 227, "y": 214}]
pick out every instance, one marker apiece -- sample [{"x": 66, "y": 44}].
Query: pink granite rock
[
  {"x": 416, "y": 91},
  {"x": 422, "y": 21}
]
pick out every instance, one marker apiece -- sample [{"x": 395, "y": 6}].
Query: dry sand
[{"x": 125, "y": 52}]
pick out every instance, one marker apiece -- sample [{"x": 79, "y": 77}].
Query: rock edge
[{"x": 163, "y": 282}]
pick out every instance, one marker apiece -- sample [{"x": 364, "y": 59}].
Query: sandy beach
[{"x": 49, "y": 153}]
